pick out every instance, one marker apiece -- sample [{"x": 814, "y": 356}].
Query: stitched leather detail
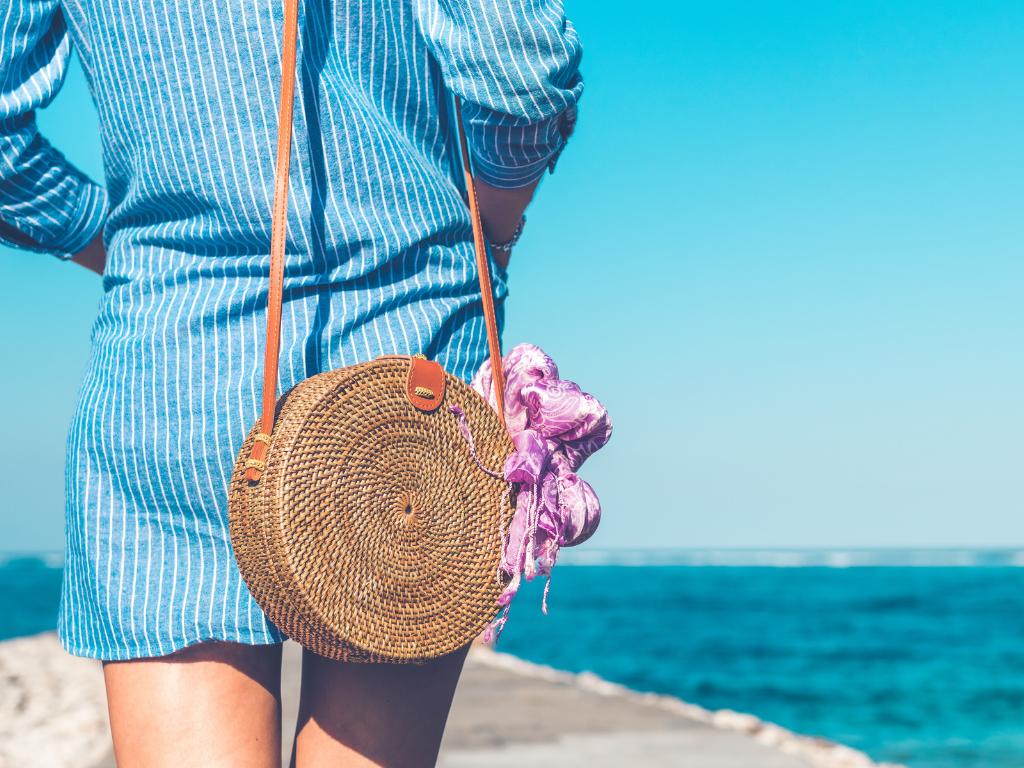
[{"x": 425, "y": 384}]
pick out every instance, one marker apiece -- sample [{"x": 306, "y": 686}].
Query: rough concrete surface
[{"x": 507, "y": 712}]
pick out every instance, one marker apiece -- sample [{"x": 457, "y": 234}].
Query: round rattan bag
[
  {"x": 373, "y": 533},
  {"x": 367, "y": 506}
]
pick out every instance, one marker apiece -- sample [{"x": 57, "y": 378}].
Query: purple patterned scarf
[{"x": 555, "y": 426}]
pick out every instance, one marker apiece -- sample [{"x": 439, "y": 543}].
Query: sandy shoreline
[
  {"x": 507, "y": 712},
  {"x": 52, "y": 707}
]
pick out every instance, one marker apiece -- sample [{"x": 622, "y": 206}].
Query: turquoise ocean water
[{"x": 920, "y": 665}]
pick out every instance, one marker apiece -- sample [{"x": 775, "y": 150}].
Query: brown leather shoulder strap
[
  {"x": 483, "y": 269},
  {"x": 255, "y": 464}
]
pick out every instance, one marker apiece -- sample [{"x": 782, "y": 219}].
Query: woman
[{"x": 379, "y": 260}]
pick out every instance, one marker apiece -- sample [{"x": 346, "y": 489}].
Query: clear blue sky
[{"x": 786, "y": 246}]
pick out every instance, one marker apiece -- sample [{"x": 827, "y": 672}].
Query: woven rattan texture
[{"x": 374, "y": 535}]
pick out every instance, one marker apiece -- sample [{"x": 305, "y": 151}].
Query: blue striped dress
[{"x": 379, "y": 252}]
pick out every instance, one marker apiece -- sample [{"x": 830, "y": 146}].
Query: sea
[{"x": 913, "y": 657}]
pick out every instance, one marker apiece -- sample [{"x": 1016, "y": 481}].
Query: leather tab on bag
[{"x": 425, "y": 385}]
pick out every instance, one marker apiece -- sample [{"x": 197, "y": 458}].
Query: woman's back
[
  {"x": 187, "y": 99},
  {"x": 379, "y": 259}
]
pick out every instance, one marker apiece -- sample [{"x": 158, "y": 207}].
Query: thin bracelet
[{"x": 509, "y": 244}]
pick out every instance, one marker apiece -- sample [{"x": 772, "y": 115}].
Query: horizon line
[{"x": 778, "y": 557}]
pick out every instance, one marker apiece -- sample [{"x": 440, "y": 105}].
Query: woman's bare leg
[
  {"x": 214, "y": 705},
  {"x": 361, "y": 715}
]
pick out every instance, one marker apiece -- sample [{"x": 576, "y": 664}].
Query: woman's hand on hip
[{"x": 94, "y": 256}]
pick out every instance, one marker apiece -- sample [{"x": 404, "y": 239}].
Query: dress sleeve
[
  {"x": 515, "y": 64},
  {"x": 46, "y": 203}
]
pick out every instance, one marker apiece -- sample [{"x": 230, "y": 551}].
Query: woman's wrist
[{"x": 502, "y": 251}]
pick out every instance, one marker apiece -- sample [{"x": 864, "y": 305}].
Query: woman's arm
[
  {"x": 515, "y": 65},
  {"x": 46, "y": 204},
  {"x": 500, "y": 212}
]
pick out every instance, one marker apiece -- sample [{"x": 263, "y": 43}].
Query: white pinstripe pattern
[{"x": 379, "y": 255}]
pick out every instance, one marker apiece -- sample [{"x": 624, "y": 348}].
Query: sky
[{"x": 785, "y": 247}]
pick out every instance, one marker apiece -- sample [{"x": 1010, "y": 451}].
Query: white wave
[
  {"x": 797, "y": 558},
  {"x": 49, "y": 559}
]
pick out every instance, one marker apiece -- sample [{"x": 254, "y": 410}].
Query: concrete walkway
[
  {"x": 550, "y": 719},
  {"x": 511, "y": 713},
  {"x": 507, "y": 713}
]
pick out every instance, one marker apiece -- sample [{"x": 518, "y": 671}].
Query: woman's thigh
[
  {"x": 391, "y": 715},
  {"x": 215, "y": 705}
]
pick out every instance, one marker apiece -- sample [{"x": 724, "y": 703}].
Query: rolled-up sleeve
[
  {"x": 515, "y": 64},
  {"x": 46, "y": 203}
]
